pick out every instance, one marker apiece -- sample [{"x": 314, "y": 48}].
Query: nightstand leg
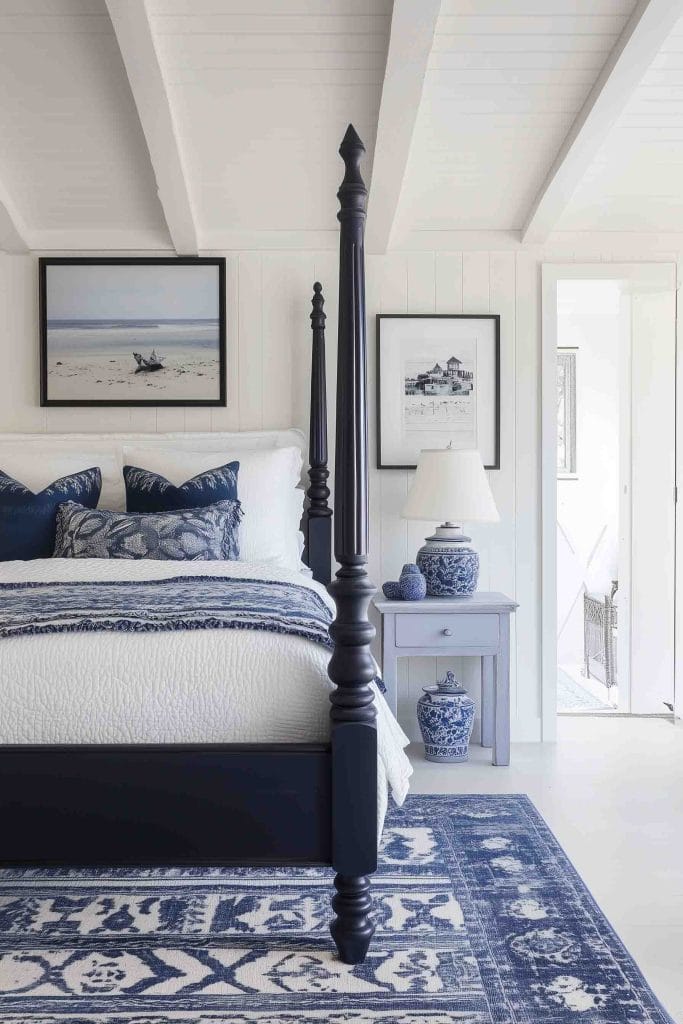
[
  {"x": 389, "y": 668},
  {"x": 389, "y": 673},
  {"x": 501, "y": 738},
  {"x": 487, "y": 699}
]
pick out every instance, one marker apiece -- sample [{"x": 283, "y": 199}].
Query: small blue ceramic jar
[
  {"x": 446, "y": 716},
  {"x": 413, "y": 585}
]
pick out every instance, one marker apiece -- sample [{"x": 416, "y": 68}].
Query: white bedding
[{"x": 204, "y": 686}]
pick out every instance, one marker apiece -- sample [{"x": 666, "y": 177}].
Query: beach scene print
[{"x": 147, "y": 333}]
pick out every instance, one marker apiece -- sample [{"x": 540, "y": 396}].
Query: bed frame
[{"x": 248, "y": 804}]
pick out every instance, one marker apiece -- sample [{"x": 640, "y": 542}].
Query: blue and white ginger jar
[
  {"x": 448, "y": 563},
  {"x": 446, "y": 716}
]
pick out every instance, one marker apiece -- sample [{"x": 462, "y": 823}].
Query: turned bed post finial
[
  {"x": 318, "y": 512},
  {"x": 318, "y": 492},
  {"x": 351, "y": 667}
]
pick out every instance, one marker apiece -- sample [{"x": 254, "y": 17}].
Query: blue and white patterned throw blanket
[{"x": 180, "y": 603}]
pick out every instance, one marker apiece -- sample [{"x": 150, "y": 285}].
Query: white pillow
[
  {"x": 266, "y": 485},
  {"x": 37, "y": 469},
  {"x": 297, "y": 515}
]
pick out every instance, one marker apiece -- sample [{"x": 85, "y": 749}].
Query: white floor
[
  {"x": 593, "y": 696},
  {"x": 611, "y": 790}
]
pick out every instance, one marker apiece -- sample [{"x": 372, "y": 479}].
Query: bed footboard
[{"x": 171, "y": 805}]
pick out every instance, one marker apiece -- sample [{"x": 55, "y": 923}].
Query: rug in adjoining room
[
  {"x": 481, "y": 919},
  {"x": 572, "y": 697}
]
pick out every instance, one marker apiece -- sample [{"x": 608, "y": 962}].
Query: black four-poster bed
[{"x": 248, "y": 804}]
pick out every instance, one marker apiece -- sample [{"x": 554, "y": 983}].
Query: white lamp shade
[{"x": 450, "y": 486}]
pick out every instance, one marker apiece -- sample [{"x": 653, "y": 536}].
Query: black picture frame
[
  {"x": 495, "y": 318},
  {"x": 48, "y": 261}
]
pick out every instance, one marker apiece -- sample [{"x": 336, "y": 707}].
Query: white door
[
  {"x": 653, "y": 509},
  {"x": 647, "y": 601}
]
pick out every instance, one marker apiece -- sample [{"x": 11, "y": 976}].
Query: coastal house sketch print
[
  {"x": 132, "y": 331},
  {"x": 438, "y": 384},
  {"x": 439, "y": 393}
]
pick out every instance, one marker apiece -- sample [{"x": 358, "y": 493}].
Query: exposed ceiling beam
[
  {"x": 637, "y": 46},
  {"x": 413, "y": 24},
  {"x": 13, "y": 231},
  {"x": 130, "y": 19}
]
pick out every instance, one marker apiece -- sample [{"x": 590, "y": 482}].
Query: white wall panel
[
  {"x": 503, "y": 535},
  {"x": 527, "y": 698},
  {"x": 229, "y": 418},
  {"x": 19, "y": 388},
  {"x": 170, "y": 418},
  {"x": 448, "y": 282},
  {"x": 250, "y": 315}
]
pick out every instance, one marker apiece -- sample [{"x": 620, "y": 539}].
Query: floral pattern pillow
[{"x": 202, "y": 534}]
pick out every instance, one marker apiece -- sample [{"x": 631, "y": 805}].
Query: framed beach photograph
[
  {"x": 438, "y": 383},
  {"x": 140, "y": 331}
]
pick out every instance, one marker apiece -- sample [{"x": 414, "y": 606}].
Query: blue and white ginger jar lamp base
[
  {"x": 446, "y": 716},
  {"x": 448, "y": 563}
]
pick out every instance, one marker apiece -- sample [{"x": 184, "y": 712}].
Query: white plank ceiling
[
  {"x": 636, "y": 180},
  {"x": 256, "y": 95},
  {"x": 72, "y": 154},
  {"x": 505, "y": 82},
  {"x": 262, "y": 100}
]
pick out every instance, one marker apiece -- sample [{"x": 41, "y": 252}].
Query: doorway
[{"x": 608, "y": 484}]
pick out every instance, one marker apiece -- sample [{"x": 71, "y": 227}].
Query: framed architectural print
[
  {"x": 132, "y": 331},
  {"x": 438, "y": 383},
  {"x": 566, "y": 413}
]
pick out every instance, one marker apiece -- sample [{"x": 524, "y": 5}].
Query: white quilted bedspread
[{"x": 204, "y": 686}]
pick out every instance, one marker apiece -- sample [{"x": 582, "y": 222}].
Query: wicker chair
[{"x": 600, "y": 636}]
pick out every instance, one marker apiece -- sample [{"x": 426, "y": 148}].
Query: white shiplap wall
[{"x": 268, "y": 366}]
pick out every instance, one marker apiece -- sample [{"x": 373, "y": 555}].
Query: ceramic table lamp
[{"x": 450, "y": 487}]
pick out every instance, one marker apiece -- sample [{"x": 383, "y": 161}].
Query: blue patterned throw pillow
[
  {"x": 200, "y": 534},
  {"x": 27, "y": 520},
  {"x": 150, "y": 492}
]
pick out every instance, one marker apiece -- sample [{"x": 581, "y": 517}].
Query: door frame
[{"x": 659, "y": 275}]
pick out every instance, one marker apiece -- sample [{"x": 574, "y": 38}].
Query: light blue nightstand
[{"x": 476, "y": 626}]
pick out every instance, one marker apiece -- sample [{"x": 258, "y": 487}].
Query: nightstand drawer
[{"x": 435, "y": 630}]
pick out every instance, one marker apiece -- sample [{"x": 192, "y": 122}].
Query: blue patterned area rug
[{"x": 481, "y": 920}]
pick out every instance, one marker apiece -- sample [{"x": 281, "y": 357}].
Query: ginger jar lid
[{"x": 448, "y": 687}]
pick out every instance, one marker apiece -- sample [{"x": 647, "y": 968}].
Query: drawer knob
[{"x": 447, "y": 632}]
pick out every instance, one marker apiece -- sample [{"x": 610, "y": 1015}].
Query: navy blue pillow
[
  {"x": 150, "y": 492},
  {"x": 28, "y": 520}
]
